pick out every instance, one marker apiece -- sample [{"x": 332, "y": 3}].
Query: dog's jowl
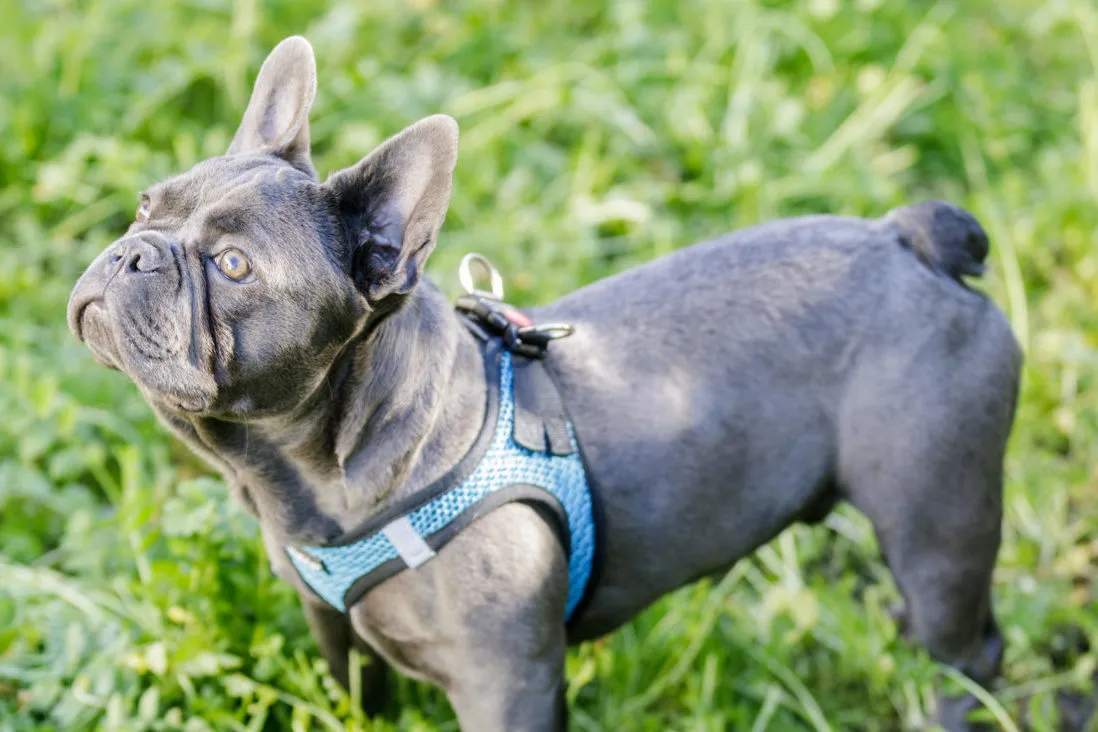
[{"x": 459, "y": 496}]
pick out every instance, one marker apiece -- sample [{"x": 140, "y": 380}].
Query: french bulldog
[{"x": 283, "y": 328}]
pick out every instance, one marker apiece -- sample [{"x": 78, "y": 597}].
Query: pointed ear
[
  {"x": 392, "y": 205},
  {"x": 277, "y": 118}
]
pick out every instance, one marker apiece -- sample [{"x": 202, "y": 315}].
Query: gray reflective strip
[{"x": 406, "y": 540}]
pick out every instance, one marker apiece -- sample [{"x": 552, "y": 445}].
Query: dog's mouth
[
  {"x": 121, "y": 336},
  {"x": 79, "y": 302},
  {"x": 88, "y": 321},
  {"x": 196, "y": 406},
  {"x": 76, "y": 316}
]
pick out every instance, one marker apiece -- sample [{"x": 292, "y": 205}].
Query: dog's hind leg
[
  {"x": 938, "y": 523},
  {"x": 922, "y": 441}
]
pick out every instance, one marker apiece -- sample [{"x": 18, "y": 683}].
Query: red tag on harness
[{"x": 517, "y": 317}]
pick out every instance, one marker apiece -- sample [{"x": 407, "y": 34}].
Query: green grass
[{"x": 133, "y": 595}]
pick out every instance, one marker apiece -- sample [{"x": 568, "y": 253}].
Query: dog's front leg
[
  {"x": 502, "y": 685},
  {"x": 333, "y": 634},
  {"x": 484, "y": 620},
  {"x": 503, "y": 696},
  {"x": 335, "y": 637}
]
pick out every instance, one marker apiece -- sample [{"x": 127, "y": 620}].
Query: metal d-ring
[
  {"x": 551, "y": 331},
  {"x": 465, "y": 275}
]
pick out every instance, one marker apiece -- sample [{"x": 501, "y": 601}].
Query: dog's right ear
[{"x": 277, "y": 118}]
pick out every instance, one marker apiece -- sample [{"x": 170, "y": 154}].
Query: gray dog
[{"x": 283, "y": 328}]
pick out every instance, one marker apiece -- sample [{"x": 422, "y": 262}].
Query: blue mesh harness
[{"x": 527, "y": 451}]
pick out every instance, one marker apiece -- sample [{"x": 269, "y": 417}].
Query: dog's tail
[{"x": 944, "y": 237}]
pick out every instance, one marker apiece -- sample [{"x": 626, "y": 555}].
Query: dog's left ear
[
  {"x": 277, "y": 118},
  {"x": 392, "y": 205}
]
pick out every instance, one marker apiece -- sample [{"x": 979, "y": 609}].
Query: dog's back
[{"x": 733, "y": 387}]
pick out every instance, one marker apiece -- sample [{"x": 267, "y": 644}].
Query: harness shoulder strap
[
  {"x": 541, "y": 424},
  {"x": 526, "y": 452}
]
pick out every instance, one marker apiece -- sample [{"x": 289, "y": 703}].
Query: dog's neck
[
  {"x": 402, "y": 406},
  {"x": 412, "y": 402}
]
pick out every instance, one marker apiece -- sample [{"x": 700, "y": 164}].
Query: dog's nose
[{"x": 136, "y": 254}]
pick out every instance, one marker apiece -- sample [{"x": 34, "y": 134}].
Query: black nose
[{"x": 136, "y": 254}]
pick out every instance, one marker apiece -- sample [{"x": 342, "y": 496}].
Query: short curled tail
[{"x": 944, "y": 237}]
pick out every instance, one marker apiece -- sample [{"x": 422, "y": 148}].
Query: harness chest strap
[{"x": 526, "y": 451}]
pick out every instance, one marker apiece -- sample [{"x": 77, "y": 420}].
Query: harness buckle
[{"x": 487, "y": 309}]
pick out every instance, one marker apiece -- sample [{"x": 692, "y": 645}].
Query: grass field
[{"x": 134, "y": 596}]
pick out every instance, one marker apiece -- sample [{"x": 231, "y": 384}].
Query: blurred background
[{"x": 595, "y": 135}]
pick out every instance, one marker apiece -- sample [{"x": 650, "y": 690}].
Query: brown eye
[
  {"x": 233, "y": 264},
  {"x": 143, "y": 209}
]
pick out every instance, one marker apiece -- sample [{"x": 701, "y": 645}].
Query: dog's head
[{"x": 241, "y": 280}]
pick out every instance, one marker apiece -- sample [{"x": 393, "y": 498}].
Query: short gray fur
[{"x": 720, "y": 393}]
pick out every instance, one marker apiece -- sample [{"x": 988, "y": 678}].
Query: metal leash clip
[
  {"x": 465, "y": 275},
  {"x": 487, "y": 309}
]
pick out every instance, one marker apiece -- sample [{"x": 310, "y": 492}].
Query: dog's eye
[
  {"x": 233, "y": 264},
  {"x": 143, "y": 209}
]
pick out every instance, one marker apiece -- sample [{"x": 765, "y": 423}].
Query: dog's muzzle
[
  {"x": 127, "y": 257},
  {"x": 132, "y": 309}
]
